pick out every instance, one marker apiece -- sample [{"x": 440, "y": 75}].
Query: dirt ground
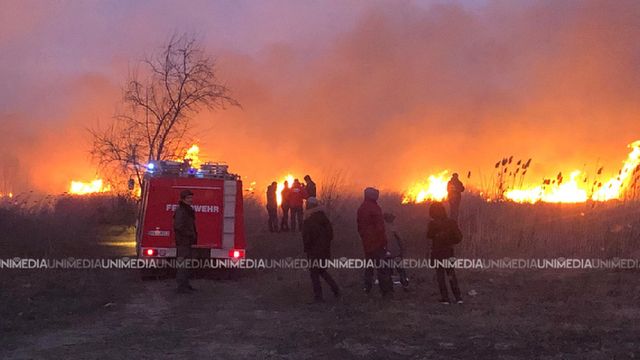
[{"x": 266, "y": 315}]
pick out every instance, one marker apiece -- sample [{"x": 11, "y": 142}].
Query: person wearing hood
[
  {"x": 444, "y": 234},
  {"x": 455, "y": 188},
  {"x": 317, "y": 234},
  {"x": 374, "y": 241},
  {"x": 186, "y": 235},
  {"x": 310, "y": 188}
]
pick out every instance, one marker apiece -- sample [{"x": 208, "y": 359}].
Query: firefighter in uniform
[{"x": 184, "y": 226}]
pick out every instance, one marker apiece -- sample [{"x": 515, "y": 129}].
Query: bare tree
[
  {"x": 159, "y": 102},
  {"x": 333, "y": 192}
]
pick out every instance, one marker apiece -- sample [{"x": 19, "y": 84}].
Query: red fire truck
[{"x": 217, "y": 202}]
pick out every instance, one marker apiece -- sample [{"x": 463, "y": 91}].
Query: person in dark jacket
[
  {"x": 284, "y": 195},
  {"x": 296, "y": 202},
  {"x": 310, "y": 188},
  {"x": 317, "y": 234},
  {"x": 186, "y": 235},
  {"x": 444, "y": 234},
  {"x": 455, "y": 188},
  {"x": 374, "y": 241},
  {"x": 272, "y": 206}
]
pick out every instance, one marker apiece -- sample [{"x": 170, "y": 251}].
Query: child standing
[{"x": 444, "y": 234}]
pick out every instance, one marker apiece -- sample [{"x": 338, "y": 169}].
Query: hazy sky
[{"x": 390, "y": 91}]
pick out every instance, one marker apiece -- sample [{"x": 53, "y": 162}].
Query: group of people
[
  {"x": 382, "y": 243},
  {"x": 292, "y": 204}
]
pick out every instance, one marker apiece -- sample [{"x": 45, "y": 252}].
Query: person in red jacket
[
  {"x": 374, "y": 241},
  {"x": 296, "y": 202}
]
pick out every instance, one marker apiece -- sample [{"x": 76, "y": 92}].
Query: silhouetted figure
[
  {"x": 395, "y": 249},
  {"x": 296, "y": 202},
  {"x": 272, "y": 206},
  {"x": 284, "y": 194},
  {"x": 310, "y": 188},
  {"x": 317, "y": 234},
  {"x": 374, "y": 241},
  {"x": 186, "y": 235},
  {"x": 455, "y": 188},
  {"x": 444, "y": 234}
]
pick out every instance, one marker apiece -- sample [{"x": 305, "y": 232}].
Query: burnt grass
[{"x": 513, "y": 314}]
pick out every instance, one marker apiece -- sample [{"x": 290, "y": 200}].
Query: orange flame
[
  {"x": 578, "y": 191},
  {"x": 568, "y": 192},
  {"x": 289, "y": 178},
  {"x": 193, "y": 154},
  {"x": 615, "y": 187},
  {"x": 434, "y": 189},
  {"x": 92, "y": 187},
  {"x": 252, "y": 187}
]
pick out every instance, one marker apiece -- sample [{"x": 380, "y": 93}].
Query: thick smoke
[{"x": 411, "y": 91}]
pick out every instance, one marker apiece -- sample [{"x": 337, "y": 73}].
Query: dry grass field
[{"x": 512, "y": 314}]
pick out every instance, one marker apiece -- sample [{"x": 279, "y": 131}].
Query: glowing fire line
[
  {"x": 568, "y": 192},
  {"x": 434, "y": 189},
  {"x": 615, "y": 187},
  {"x": 575, "y": 191},
  {"x": 92, "y": 187}
]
